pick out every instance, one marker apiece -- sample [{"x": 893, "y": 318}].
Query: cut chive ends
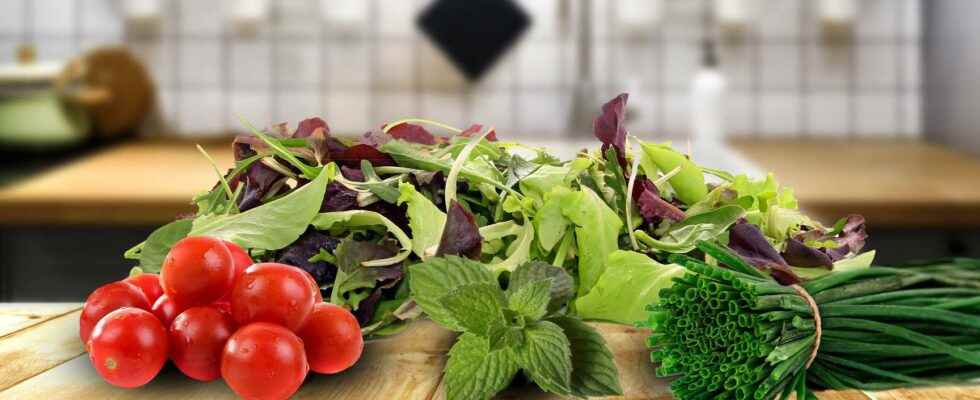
[{"x": 726, "y": 334}]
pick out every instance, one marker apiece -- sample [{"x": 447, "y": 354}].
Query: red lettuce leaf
[
  {"x": 610, "y": 127},
  {"x": 654, "y": 208},
  {"x": 338, "y": 198},
  {"x": 298, "y": 254},
  {"x": 374, "y": 138},
  {"x": 308, "y": 126},
  {"x": 461, "y": 235},
  {"x": 259, "y": 179},
  {"x": 799, "y": 254},
  {"x": 352, "y": 157},
  {"x": 749, "y": 242},
  {"x": 412, "y": 133},
  {"x": 475, "y": 129},
  {"x": 354, "y": 174}
]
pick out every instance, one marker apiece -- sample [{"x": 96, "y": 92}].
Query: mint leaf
[
  {"x": 433, "y": 279},
  {"x": 531, "y": 300},
  {"x": 593, "y": 371},
  {"x": 475, "y": 372},
  {"x": 546, "y": 357},
  {"x": 506, "y": 337},
  {"x": 562, "y": 285},
  {"x": 477, "y": 307}
]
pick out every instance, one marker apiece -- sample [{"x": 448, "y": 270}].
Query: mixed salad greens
[{"x": 500, "y": 240}]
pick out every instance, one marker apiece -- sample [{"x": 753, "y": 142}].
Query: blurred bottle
[{"x": 707, "y": 98}]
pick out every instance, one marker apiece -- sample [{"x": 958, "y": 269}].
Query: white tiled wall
[{"x": 784, "y": 80}]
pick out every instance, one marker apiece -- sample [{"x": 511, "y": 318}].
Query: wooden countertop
[
  {"x": 892, "y": 183},
  {"x": 43, "y": 358}
]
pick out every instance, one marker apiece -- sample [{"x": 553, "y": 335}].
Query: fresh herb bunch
[
  {"x": 521, "y": 328},
  {"x": 736, "y": 333}
]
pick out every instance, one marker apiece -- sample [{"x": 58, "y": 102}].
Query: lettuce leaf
[
  {"x": 597, "y": 230},
  {"x": 631, "y": 281},
  {"x": 424, "y": 218}
]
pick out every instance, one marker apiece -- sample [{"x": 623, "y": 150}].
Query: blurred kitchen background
[{"x": 864, "y": 106}]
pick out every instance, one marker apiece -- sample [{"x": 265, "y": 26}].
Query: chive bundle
[{"x": 736, "y": 333}]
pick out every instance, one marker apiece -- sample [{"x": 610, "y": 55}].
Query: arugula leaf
[
  {"x": 436, "y": 277},
  {"x": 593, "y": 371},
  {"x": 546, "y": 357},
  {"x": 154, "y": 250},
  {"x": 410, "y": 155},
  {"x": 531, "y": 300},
  {"x": 478, "y": 307},
  {"x": 630, "y": 282},
  {"x": 425, "y": 220},
  {"x": 361, "y": 218},
  {"x": 684, "y": 236},
  {"x": 562, "y": 287},
  {"x": 475, "y": 372},
  {"x": 273, "y": 225},
  {"x": 596, "y": 232}
]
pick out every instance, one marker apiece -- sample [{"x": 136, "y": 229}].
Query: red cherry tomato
[
  {"x": 223, "y": 305},
  {"x": 240, "y": 257},
  {"x": 276, "y": 293},
  {"x": 128, "y": 347},
  {"x": 316, "y": 288},
  {"x": 165, "y": 309},
  {"x": 149, "y": 284},
  {"x": 197, "y": 271},
  {"x": 106, "y": 299},
  {"x": 332, "y": 338},
  {"x": 197, "y": 339},
  {"x": 264, "y": 361}
]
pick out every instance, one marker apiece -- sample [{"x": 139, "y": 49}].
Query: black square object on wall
[{"x": 473, "y": 33}]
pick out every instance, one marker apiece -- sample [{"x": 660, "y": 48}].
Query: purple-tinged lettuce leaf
[
  {"x": 374, "y": 138},
  {"x": 308, "y": 126},
  {"x": 355, "y": 282},
  {"x": 338, "y": 198},
  {"x": 352, "y": 157},
  {"x": 461, "y": 235},
  {"x": 259, "y": 179},
  {"x": 303, "y": 249},
  {"x": 475, "y": 129},
  {"x": 851, "y": 238},
  {"x": 654, "y": 208},
  {"x": 799, "y": 254},
  {"x": 412, "y": 133},
  {"x": 354, "y": 174},
  {"x": 749, "y": 242},
  {"x": 610, "y": 127}
]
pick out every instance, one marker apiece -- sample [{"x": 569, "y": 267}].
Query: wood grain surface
[
  {"x": 892, "y": 183},
  {"x": 45, "y": 360}
]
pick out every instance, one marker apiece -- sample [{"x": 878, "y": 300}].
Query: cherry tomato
[
  {"x": 165, "y": 309},
  {"x": 332, "y": 338},
  {"x": 197, "y": 339},
  {"x": 197, "y": 271},
  {"x": 316, "y": 288},
  {"x": 223, "y": 305},
  {"x": 128, "y": 347},
  {"x": 264, "y": 361},
  {"x": 106, "y": 299},
  {"x": 276, "y": 293},
  {"x": 240, "y": 257},
  {"x": 149, "y": 284}
]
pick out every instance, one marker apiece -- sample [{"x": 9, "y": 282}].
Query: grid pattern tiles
[{"x": 360, "y": 63}]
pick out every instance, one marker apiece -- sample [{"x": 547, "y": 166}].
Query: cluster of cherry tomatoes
[{"x": 260, "y": 327}]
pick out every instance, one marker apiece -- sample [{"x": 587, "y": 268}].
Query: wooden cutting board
[{"x": 41, "y": 357}]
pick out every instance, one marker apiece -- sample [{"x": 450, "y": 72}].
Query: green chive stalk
[{"x": 732, "y": 333}]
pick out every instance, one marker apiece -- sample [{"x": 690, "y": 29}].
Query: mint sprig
[{"x": 522, "y": 328}]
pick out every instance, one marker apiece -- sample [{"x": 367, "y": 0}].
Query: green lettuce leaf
[
  {"x": 363, "y": 218},
  {"x": 596, "y": 231},
  {"x": 630, "y": 282},
  {"x": 425, "y": 219}
]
